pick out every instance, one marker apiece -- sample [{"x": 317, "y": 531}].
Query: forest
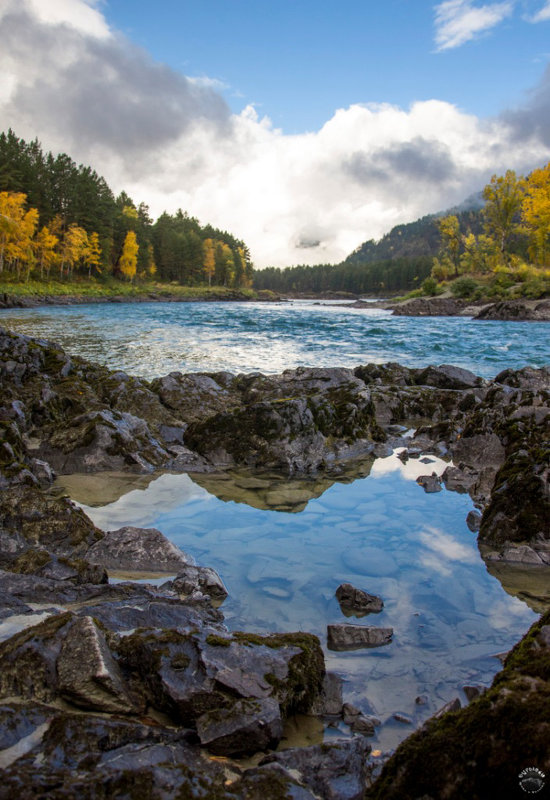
[{"x": 59, "y": 219}]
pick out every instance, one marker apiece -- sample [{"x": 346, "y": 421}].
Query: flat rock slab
[
  {"x": 354, "y": 637},
  {"x": 138, "y": 550}
]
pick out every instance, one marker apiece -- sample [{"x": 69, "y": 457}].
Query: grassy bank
[{"x": 147, "y": 290}]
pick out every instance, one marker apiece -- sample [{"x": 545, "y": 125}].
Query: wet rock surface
[
  {"x": 354, "y": 637},
  {"x": 127, "y": 651},
  {"x": 356, "y": 601}
]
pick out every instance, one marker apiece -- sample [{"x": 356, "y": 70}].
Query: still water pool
[{"x": 380, "y": 532}]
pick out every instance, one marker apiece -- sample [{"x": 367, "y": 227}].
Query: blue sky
[
  {"x": 298, "y": 60},
  {"x": 303, "y": 128}
]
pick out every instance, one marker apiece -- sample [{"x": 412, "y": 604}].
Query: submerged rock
[{"x": 354, "y": 637}]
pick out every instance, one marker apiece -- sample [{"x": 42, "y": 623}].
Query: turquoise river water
[{"x": 282, "y": 547}]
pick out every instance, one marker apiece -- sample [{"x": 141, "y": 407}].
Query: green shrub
[
  {"x": 430, "y": 287},
  {"x": 464, "y": 287}
]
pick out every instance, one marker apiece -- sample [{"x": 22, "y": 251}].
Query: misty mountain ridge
[{"x": 421, "y": 237}]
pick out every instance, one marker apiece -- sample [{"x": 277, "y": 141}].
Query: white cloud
[
  {"x": 78, "y": 14},
  {"x": 173, "y": 142},
  {"x": 543, "y": 14},
  {"x": 459, "y": 21}
]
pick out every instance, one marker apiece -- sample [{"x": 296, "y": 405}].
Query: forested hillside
[
  {"x": 60, "y": 219},
  {"x": 399, "y": 262}
]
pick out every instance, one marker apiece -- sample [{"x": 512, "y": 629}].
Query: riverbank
[{"x": 35, "y": 293}]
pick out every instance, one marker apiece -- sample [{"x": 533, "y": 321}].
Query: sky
[{"x": 304, "y": 128}]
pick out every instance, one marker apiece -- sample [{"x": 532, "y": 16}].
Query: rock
[
  {"x": 473, "y": 520},
  {"x": 430, "y": 483},
  {"x": 356, "y": 601},
  {"x": 459, "y": 480},
  {"x": 242, "y": 729},
  {"x": 88, "y": 675},
  {"x": 329, "y": 702},
  {"x": 354, "y": 637},
  {"x": 193, "y": 579},
  {"x": 480, "y": 450},
  {"x": 404, "y": 718},
  {"x": 452, "y": 705},
  {"x": 335, "y": 770},
  {"x": 472, "y": 692},
  {"x": 448, "y": 376},
  {"x": 421, "y": 700},
  {"x": 137, "y": 549},
  {"x": 363, "y": 725},
  {"x": 430, "y": 307},
  {"x": 513, "y": 310}
]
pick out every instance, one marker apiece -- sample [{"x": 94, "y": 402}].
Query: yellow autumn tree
[
  {"x": 92, "y": 253},
  {"x": 209, "y": 259},
  {"x": 45, "y": 249},
  {"x": 75, "y": 243},
  {"x": 536, "y": 214},
  {"x": 128, "y": 260},
  {"x": 12, "y": 212}
]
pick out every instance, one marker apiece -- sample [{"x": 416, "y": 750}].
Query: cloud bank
[{"x": 172, "y": 142}]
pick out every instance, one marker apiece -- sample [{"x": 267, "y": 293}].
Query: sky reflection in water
[{"x": 381, "y": 533}]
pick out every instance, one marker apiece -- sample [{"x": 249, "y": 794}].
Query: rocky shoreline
[
  {"x": 125, "y": 689},
  {"x": 519, "y": 310}
]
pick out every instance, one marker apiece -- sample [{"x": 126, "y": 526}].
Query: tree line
[
  {"x": 388, "y": 275},
  {"x": 60, "y": 219}
]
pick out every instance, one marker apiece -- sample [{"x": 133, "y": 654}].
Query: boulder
[
  {"x": 329, "y": 702},
  {"x": 354, "y": 637},
  {"x": 88, "y": 675},
  {"x": 335, "y": 770},
  {"x": 448, "y": 376},
  {"x": 356, "y": 601},
  {"x": 137, "y": 550},
  {"x": 242, "y": 729},
  {"x": 192, "y": 579}
]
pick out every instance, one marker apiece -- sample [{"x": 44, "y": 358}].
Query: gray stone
[
  {"x": 204, "y": 579},
  {"x": 448, "y": 376},
  {"x": 245, "y": 728},
  {"x": 335, "y": 770},
  {"x": 452, "y": 705},
  {"x": 404, "y": 718},
  {"x": 137, "y": 550},
  {"x": 88, "y": 674},
  {"x": 430, "y": 483},
  {"x": 354, "y": 637},
  {"x": 356, "y": 601},
  {"x": 480, "y": 450},
  {"x": 329, "y": 701},
  {"x": 473, "y": 520}
]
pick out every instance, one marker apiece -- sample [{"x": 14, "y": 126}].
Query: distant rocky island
[{"x": 126, "y": 689}]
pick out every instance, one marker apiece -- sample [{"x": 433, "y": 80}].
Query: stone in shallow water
[
  {"x": 430, "y": 483},
  {"x": 356, "y": 601},
  {"x": 354, "y": 637}
]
